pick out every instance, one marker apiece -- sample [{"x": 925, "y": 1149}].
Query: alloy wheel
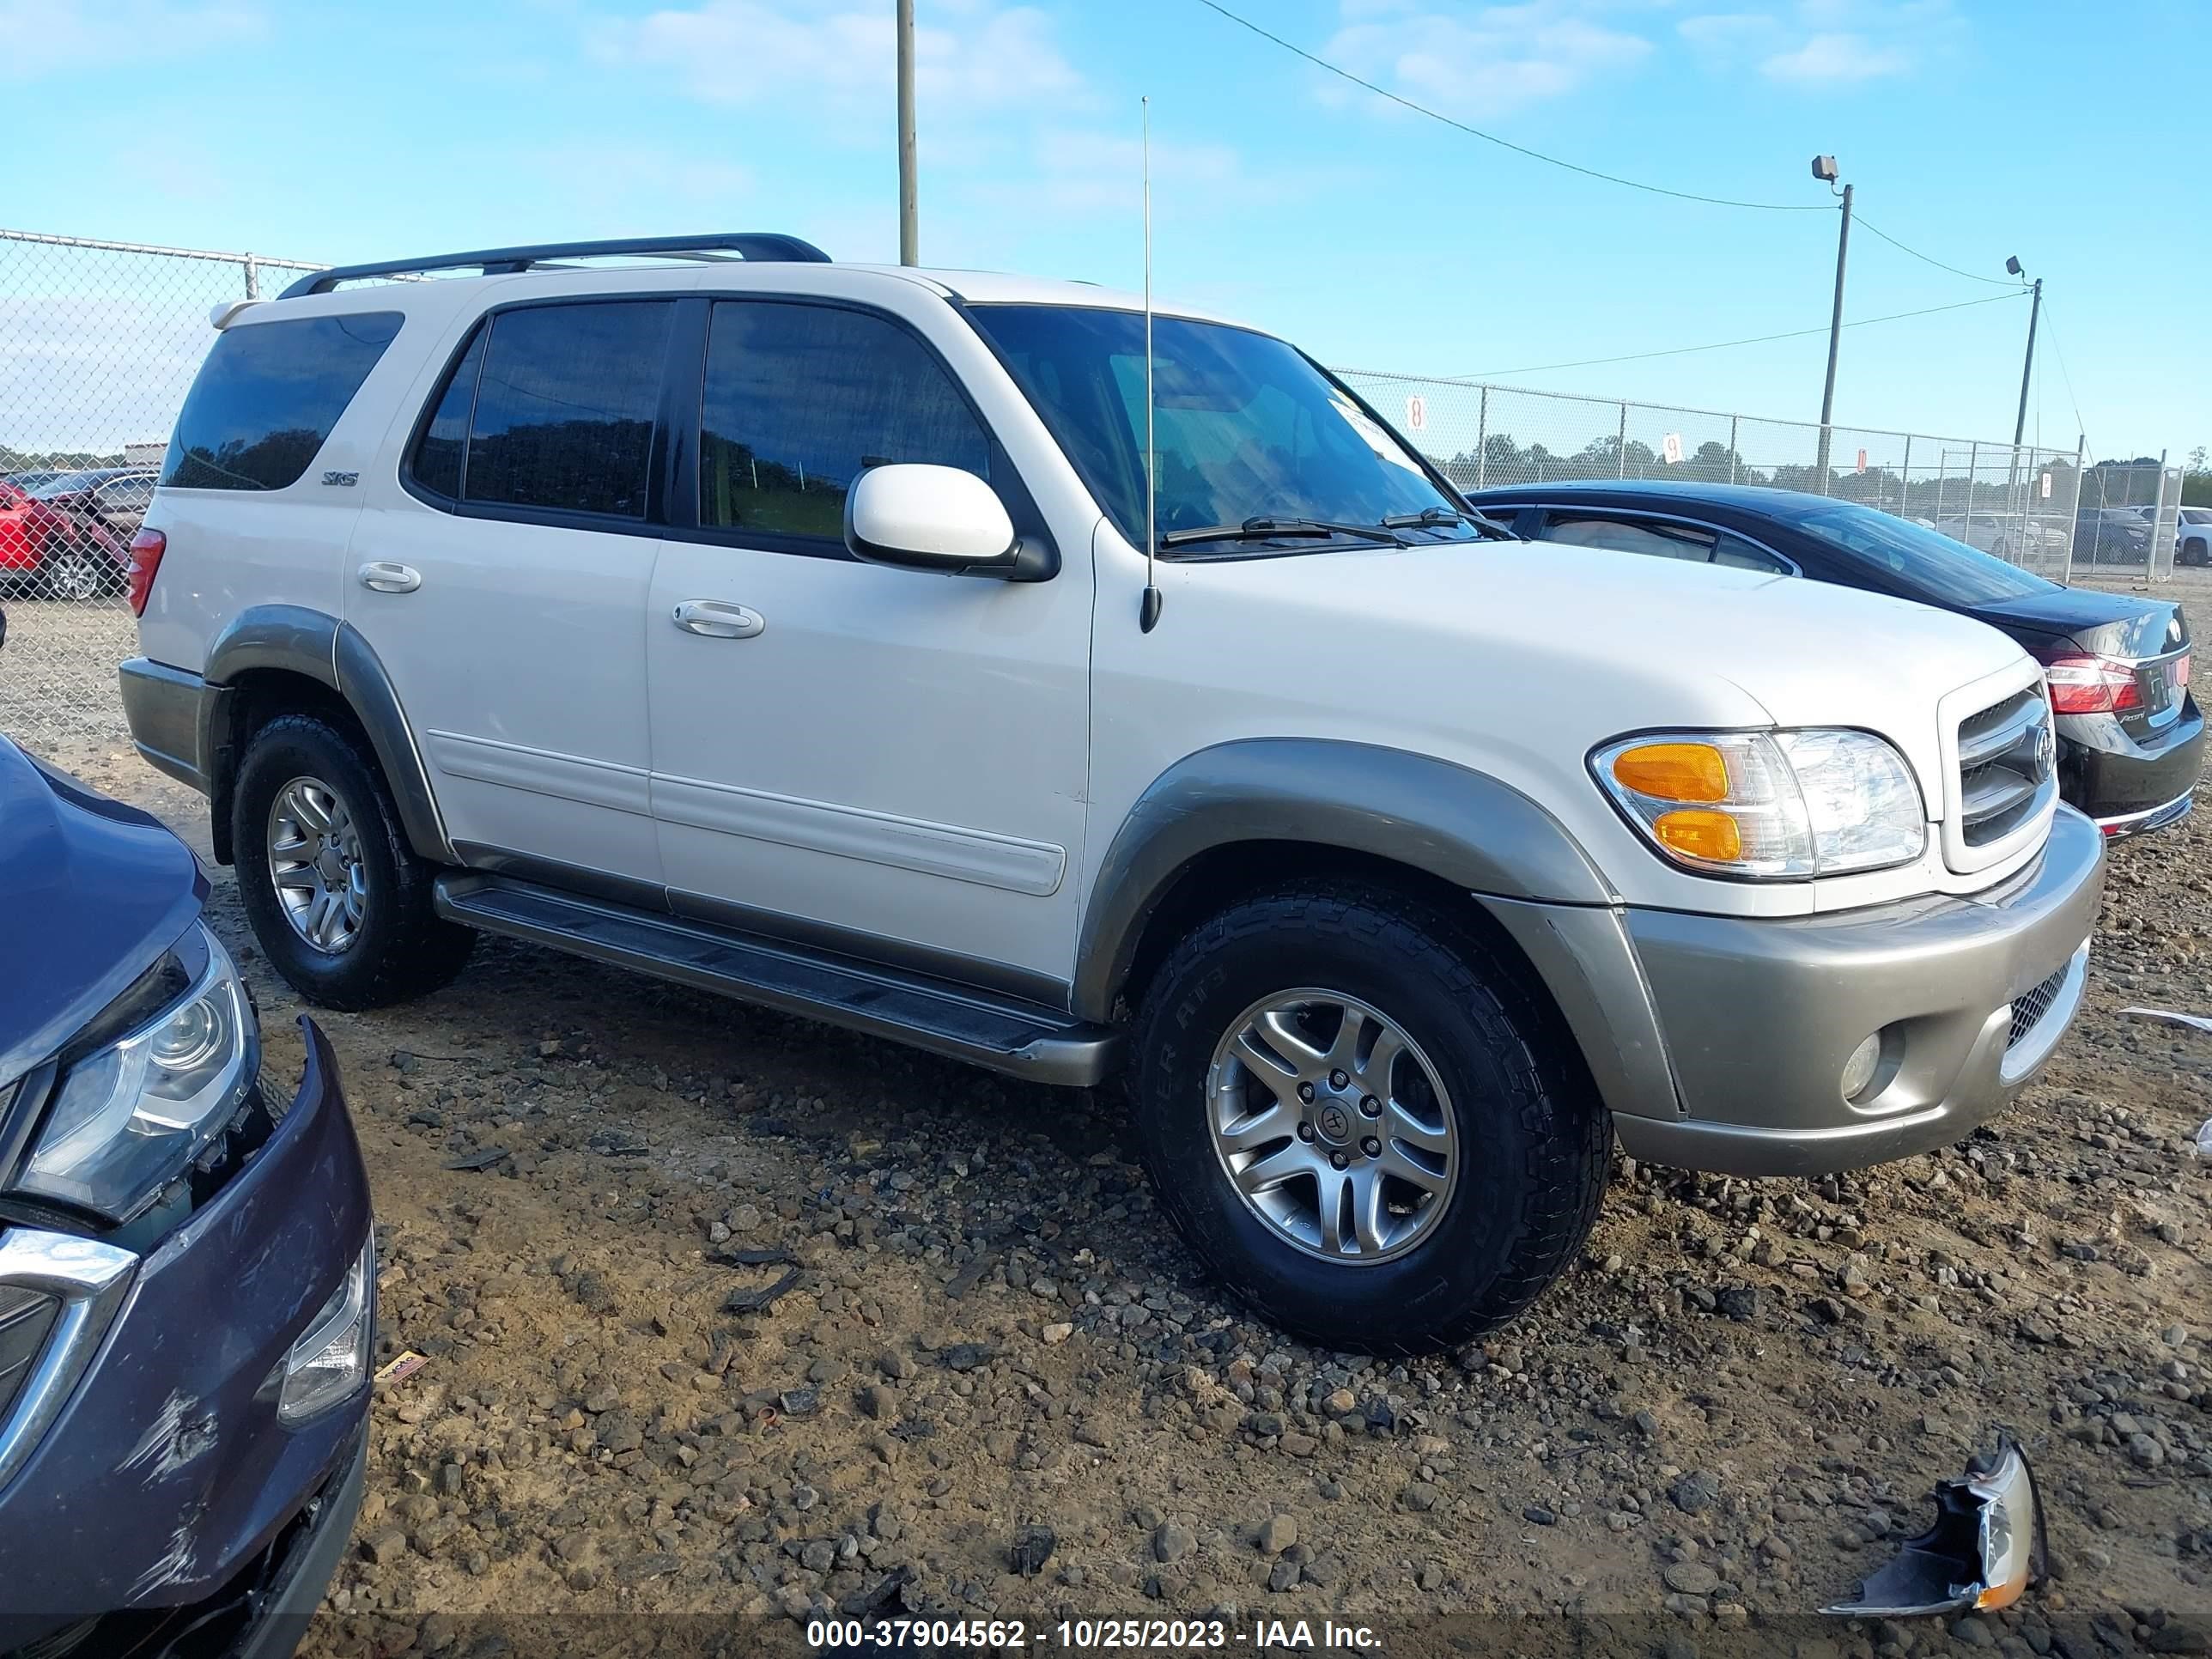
[
  {"x": 315, "y": 864},
  {"x": 1333, "y": 1126}
]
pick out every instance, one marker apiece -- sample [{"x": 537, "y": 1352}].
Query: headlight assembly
[
  {"x": 1771, "y": 805},
  {"x": 127, "y": 1118}
]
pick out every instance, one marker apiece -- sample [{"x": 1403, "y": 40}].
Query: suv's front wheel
[
  {"x": 338, "y": 900},
  {"x": 1362, "y": 1121}
]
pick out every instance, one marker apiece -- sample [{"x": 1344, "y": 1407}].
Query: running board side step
[{"x": 1020, "y": 1039}]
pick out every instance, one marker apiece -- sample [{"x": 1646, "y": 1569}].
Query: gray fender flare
[
  {"x": 1485, "y": 837},
  {"x": 298, "y": 639}
]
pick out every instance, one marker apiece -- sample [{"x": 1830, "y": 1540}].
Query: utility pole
[
  {"x": 2027, "y": 368},
  {"x": 1824, "y": 168},
  {"x": 909, "y": 235}
]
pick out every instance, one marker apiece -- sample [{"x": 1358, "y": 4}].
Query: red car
[{"x": 62, "y": 537}]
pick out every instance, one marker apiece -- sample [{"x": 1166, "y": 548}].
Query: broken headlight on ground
[{"x": 1984, "y": 1550}]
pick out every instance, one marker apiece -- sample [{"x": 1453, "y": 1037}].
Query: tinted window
[
  {"x": 801, "y": 399},
  {"x": 267, "y": 398},
  {"x": 1651, "y": 536},
  {"x": 1244, "y": 427},
  {"x": 1739, "y": 554},
  {"x": 1917, "y": 557},
  {"x": 437, "y": 465},
  {"x": 565, "y": 407}
]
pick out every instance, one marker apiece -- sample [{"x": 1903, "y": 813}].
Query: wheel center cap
[
  {"x": 1333, "y": 1122},
  {"x": 331, "y": 863}
]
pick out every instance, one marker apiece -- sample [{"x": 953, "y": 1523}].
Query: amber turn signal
[
  {"x": 1694, "y": 772},
  {"x": 1701, "y": 834}
]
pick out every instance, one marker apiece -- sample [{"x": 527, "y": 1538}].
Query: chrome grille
[
  {"x": 27, "y": 1319},
  {"x": 2006, "y": 767},
  {"x": 2030, "y": 1005}
]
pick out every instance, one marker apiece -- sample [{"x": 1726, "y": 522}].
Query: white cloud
[
  {"x": 1487, "y": 63},
  {"x": 985, "y": 59},
  {"x": 1094, "y": 172},
  {"x": 43, "y": 36},
  {"x": 1831, "y": 59},
  {"x": 1825, "y": 43}
]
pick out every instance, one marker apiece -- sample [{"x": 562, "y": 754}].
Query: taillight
[
  {"x": 2083, "y": 682},
  {"x": 146, "y": 549}
]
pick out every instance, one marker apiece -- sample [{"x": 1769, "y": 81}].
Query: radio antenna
[{"x": 1148, "y": 613}]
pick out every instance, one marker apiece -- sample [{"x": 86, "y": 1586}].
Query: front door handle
[
  {"x": 387, "y": 578},
  {"x": 719, "y": 620}
]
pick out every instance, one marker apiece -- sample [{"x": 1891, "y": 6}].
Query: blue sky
[{"x": 1972, "y": 129}]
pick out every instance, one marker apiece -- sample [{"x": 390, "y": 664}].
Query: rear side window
[
  {"x": 551, "y": 407},
  {"x": 1648, "y": 536},
  {"x": 800, "y": 400},
  {"x": 267, "y": 398}
]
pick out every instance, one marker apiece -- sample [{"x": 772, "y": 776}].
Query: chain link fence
[
  {"x": 2130, "y": 519},
  {"x": 99, "y": 343},
  {"x": 2018, "y": 503}
]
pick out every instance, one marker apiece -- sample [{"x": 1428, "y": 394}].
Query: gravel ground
[{"x": 974, "y": 1342}]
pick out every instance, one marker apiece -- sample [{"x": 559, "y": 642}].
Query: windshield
[
  {"x": 1246, "y": 429},
  {"x": 68, "y": 485},
  {"x": 1920, "y": 557}
]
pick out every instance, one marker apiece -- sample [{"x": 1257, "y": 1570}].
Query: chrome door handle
[
  {"x": 719, "y": 620},
  {"x": 388, "y": 578}
]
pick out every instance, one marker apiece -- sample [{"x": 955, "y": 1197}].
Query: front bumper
[
  {"x": 166, "y": 1487},
  {"x": 1720, "y": 1043}
]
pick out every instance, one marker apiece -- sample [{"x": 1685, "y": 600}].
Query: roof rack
[{"x": 506, "y": 261}]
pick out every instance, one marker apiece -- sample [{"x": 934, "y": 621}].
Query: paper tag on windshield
[{"x": 1375, "y": 437}]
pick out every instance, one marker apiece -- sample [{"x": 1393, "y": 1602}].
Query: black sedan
[{"x": 2131, "y": 740}]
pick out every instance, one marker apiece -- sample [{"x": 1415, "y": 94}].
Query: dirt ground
[{"x": 1731, "y": 1407}]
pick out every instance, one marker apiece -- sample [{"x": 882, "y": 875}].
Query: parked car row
[{"x": 67, "y": 534}]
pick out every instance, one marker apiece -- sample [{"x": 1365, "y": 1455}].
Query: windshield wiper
[
  {"x": 1442, "y": 517},
  {"x": 1264, "y": 529}
]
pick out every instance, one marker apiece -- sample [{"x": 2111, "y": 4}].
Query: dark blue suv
[{"x": 187, "y": 1269}]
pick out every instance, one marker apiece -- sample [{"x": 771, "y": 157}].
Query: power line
[
  {"x": 1756, "y": 339},
  {"x": 2080, "y": 425},
  {"x": 1507, "y": 144},
  {"x": 1994, "y": 282}
]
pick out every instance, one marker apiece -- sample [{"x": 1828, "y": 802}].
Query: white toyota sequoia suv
[{"x": 783, "y": 627}]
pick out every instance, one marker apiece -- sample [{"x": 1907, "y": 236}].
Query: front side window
[
  {"x": 565, "y": 403},
  {"x": 1244, "y": 427},
  {"x": 801, "y": 399},
  {"x": 268, "y": 396}
]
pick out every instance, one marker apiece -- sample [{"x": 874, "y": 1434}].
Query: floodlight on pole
[{"x": 1824, "y": 169}]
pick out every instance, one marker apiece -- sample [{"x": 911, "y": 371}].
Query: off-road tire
[
  {"x": 1535, "y": 1140},
  {"x": 404, "y": 949}
]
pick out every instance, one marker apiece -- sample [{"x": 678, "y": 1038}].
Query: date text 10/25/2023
[{"x": 1014, "y": 1635}]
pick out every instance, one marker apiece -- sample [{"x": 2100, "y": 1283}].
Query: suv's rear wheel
[
  {"x": 1362, "y": 1121},
  {"x": 338, "y": 901}
]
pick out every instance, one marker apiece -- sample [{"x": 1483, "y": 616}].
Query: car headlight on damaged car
[
  {"x": 1769, "y": 806},
  {"x": 128, "y": 1117},
  {"x": 330, "y": 1358}
]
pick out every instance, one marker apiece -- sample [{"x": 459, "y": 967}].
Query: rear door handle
[
  {"x": 388, "y": 578},
  {"x": 718, "y": 619}
]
